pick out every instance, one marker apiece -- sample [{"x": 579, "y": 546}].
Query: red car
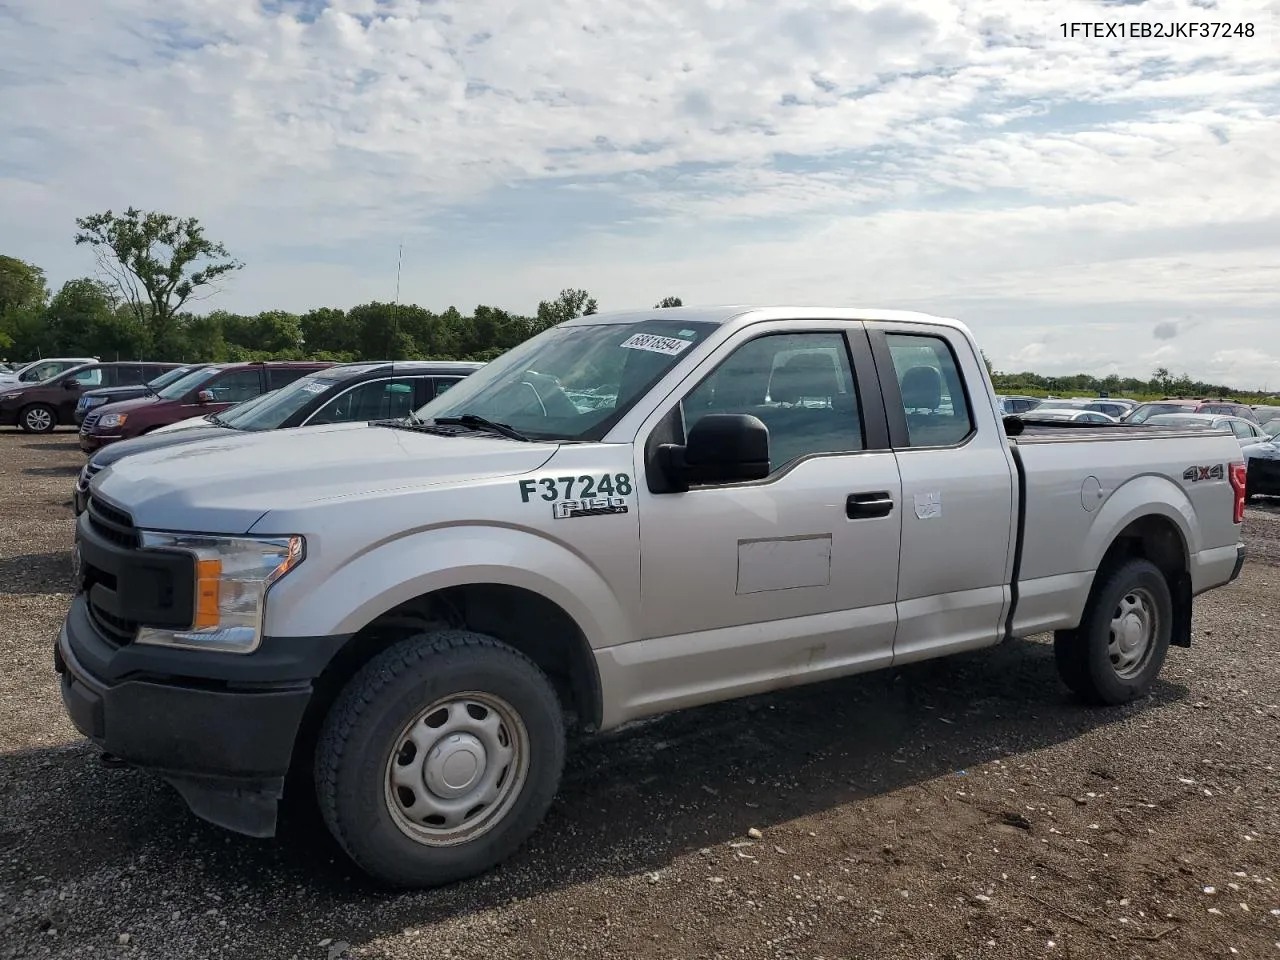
[{"x": 205, "y": 390}]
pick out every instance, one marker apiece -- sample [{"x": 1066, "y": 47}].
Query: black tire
[
  {"x": 353, "y": 760},
  {"x": 38, "y": 418},
  {"x": 1084, "y": 659}
]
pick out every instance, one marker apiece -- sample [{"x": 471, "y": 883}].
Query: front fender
[
  {"x": 345, "y": 599},
  {"x": 1142, "y": 496}
]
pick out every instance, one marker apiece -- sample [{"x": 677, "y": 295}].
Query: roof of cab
[{"x": 747, "y": 313}]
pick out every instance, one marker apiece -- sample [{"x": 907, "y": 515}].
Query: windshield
[
  {"x": 272, "y": 409},
  {"x": 183, "y": 385},
  {"x": 168, "y": 377},
  {"x": 571, "y": 382}
]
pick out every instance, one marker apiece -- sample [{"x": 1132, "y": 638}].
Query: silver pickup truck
[{"x": 625, "y": 515}]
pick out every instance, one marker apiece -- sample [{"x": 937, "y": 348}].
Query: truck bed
[
  {"x": 1076, "y": 487},
  {"x": 1039, "y": 431}
]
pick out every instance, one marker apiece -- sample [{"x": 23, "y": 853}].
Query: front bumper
[
  {"x": 93, "y": 442},
  {"x": 220, "y": 728}
]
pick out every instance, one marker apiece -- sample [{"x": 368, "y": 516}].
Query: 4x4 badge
[{"x": 1196, "y": 474}]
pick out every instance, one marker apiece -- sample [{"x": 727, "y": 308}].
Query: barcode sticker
[{"x": 655, "y": 344}]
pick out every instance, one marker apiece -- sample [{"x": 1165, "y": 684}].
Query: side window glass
[
  {"x": 375, "y": 400},
  {"x": 1241, "y": 430},
  {"x": 932, "y": 390},
  {"x": 444, "y": 383},
  {"x": 89, "y": 378},
  {"x": 236, "y": 387},
  {"x": 799, "y": 384},
  {"x": 280, "y": 376}
]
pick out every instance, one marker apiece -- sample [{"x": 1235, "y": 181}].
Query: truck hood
[{"x": 226, "y": 484}]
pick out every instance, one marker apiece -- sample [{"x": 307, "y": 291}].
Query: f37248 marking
[{"x": 584, "y": 487}]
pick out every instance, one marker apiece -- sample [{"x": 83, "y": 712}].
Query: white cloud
[{"x": 961, "y": 156}]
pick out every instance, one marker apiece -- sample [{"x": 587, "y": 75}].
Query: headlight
[
  {"x": 233, "y": 575},
  {"x": 92, "y": 401},
  {"x": 113, "y": 420}
]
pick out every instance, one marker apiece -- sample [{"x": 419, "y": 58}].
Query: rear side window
[
  {"x": 444, "y": 383},
  {"x": 375, "y": 400},
  {"x": 91, "y": 377},
  {"x": 1241, "y": 429},
  {"x": 279, "y": 376},
  {"x": 127, "y": 375},
  {"x": 932, "y": 390},
  {"x": 236, "y": 386}
]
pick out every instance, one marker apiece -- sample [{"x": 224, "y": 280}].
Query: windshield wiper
[{"x": 480, "y": 423}]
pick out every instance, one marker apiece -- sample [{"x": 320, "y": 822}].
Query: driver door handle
[{"x": 860, "y": 506}]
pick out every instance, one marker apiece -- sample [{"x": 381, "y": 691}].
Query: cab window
[
  {"x": 799, "y": 384},
  {"x": 91, "y": 377},
  {"x": 931, "y": 389}
]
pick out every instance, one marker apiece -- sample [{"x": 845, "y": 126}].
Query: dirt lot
[{"x": 962, "y": 808}]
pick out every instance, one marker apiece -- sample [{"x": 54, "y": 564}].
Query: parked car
[
  {"x": 1142, "y": 412},
  {"x": 1246, "y": 431},
  {"x": 624, "y": 515},
  {"x": 38, "y": 370},
  {"x": 1080, "y": 414},
  {"x": 1266, "y": 414},
  {"x": 104, "y": 395},
  {"x": 1010, "y": 405},
  {"x": 340, "y": 394},
  {"x": 39, "y": 407},
  {"x": 205, "y": 390},
  {"x": 1114, "y": 407},
  {"x": 1262, "y": 463}
]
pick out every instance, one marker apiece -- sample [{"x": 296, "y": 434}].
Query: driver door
[{"x": 754, "y": 585}]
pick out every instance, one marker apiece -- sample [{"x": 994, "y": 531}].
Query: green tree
[
  {"x": 82, "y": 319},
  {"x": 22, "y": 284},
  {"x": 157, "y": 263},
  {"x": 569, "y": 304},
  {"x": 668, "y": 302}
]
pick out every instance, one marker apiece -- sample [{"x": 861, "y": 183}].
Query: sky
[{"x": 1105, "y": 204}]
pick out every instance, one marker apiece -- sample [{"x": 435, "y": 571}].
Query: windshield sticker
[
  {"x": 655, "y": 344},
  {"x": 685, "y": 333},
  {"x": 315, "y": 387},
  {"x": 583, "y": 488}
]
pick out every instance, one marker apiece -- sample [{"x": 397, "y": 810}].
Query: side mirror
[
  {"x": 721, "y": 448},
  {"x": 205, "y": 396},
  {"x": 69, "y": 384}
]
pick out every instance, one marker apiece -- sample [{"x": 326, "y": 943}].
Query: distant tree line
[{"x": 152, "y": 267}]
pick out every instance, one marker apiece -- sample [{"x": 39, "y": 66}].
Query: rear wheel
[
  {"x": 38, "y": 418},
  {"x": 1120, "y": 646},
  {"x": 439, "y": 758}
]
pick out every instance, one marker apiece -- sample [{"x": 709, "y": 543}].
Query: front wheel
[
  {"x": 1119, "y": 648},
  {"x": 439, "y": 758},
  {"x": 38, "y": 418}
]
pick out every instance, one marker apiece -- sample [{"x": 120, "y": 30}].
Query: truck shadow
[
  {"x": 630, "y": 802},
  {"x": 36, "y": 573}
]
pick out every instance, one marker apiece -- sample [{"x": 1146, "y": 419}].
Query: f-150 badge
[{"x": 591, "y": 507}]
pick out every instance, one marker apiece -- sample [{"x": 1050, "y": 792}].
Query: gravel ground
[{"x": 961, "y": 808}]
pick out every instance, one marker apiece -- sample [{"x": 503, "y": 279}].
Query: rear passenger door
[{"x": 957, "y": 491}]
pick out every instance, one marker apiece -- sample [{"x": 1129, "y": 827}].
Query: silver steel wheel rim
[
  {"x": 1133, "y": 631},
  {"x": 38, "y": 419},
  {"x": 456, "y": 769}
]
